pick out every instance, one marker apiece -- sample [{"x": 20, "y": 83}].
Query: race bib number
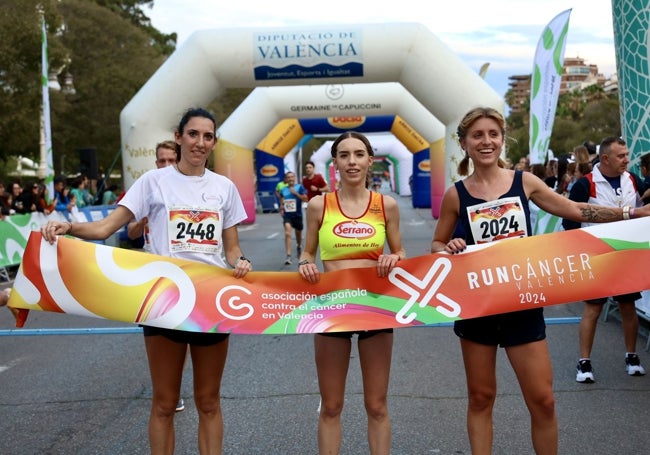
[
  {"x": 195, "y": 229},
  {"x": 290, "y": 205},
  {"x": 497, "y": 220}
]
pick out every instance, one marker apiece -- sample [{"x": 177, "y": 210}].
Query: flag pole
[{"x": 46, "y": 166}]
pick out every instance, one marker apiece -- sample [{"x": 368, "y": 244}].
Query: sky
[{"x": 503, "y": 33}]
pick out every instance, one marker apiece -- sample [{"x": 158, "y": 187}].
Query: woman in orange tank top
[{"x": 352, "y": 155}]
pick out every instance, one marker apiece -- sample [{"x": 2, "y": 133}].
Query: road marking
[
  {"x": 272, "y": 236},
  {"x": 414, "y": 222},
  {"x": 248, "y": 227},
  {"x": 11, "y": 364}
]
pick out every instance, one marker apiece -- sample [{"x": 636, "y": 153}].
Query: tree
[
  {"x": 584, "y": 114},
  {"x": 110, "y": 50},
  {"x": 20, "y": 73},
  {"x": 110, "y": 59},
  {"x": 602, "y": 118},
  {"x": 132, "y": 11}
]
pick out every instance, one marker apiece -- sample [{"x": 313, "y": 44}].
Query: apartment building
[{"x": 576, "y": 75}]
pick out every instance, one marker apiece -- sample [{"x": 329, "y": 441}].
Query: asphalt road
[{"x": 90, "y": 393}]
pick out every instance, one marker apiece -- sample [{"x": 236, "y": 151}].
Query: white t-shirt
[{"x": 187, "y": 214}]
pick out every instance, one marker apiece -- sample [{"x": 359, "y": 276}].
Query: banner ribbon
[{"x": 88, "y": 279}]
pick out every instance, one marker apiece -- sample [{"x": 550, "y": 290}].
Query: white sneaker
[
  {"x": 633, "y": 365},
  {"x": 585, "y": 373}
]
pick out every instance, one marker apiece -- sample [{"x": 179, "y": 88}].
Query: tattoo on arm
[{"x": 598, "y": 214}]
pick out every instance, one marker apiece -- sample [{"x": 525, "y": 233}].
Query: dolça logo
[
  {"x": 354, "y": 230},
  {"x": 269, "y": 170},
  {"x": 346, "y": 122},
  {"x": 424, "y": 166}
]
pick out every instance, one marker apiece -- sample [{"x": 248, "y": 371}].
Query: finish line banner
[{"x": 87, "y": 279}]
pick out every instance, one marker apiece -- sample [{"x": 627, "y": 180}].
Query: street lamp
[
  {"x": 53, "y": 81},
  {"x": 68, "y": 87}
]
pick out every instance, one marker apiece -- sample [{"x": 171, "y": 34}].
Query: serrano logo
[
  {"x": 425, "y": 166},
  {"x": 346, "y": 122},
  {"x": 269, "y": 170},
  {"x": 354, "y": 230}
]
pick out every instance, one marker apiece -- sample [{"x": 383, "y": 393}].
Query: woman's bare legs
[
  {"x": 532, "y": 365},
  {"x": 208, "y": 363},
  {"x": 375, "y": 355},
  {"x": 166, "y": 359},
  {"x": 480, "y": 372},
  {"x": 332, "y": 360}
]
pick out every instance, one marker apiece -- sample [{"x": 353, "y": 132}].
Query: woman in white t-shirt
[{"x": 167, "y": 197}]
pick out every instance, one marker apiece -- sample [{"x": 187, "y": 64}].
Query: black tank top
[{"x": 467, "y": 200}]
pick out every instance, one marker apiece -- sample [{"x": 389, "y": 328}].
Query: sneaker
[
  {"x": 585, "y": 373},
  {"x": 180, "y": 406},
  {"x": 633, "y": 365},
  {"x": 288, "y": 261}
]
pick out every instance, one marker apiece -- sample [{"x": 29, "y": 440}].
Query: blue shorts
[
  {"x": 617, "y": 298},
  {"x": 505, "y": 330},
  {"x": 181, "y": 336},
  {"x": 363, "y": 334}
]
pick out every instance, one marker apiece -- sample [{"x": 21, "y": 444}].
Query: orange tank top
[{"x": 342, "y": 237}]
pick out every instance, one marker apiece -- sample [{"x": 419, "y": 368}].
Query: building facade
[{"x": 576, "y": 75}]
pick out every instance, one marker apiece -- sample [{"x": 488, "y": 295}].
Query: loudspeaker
[{"x": 88, "y": 163}]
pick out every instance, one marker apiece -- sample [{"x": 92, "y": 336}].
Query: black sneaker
[
  {"x": 585, "y": 373},
  {"x": 633, "y": 365},
  {"x": 288, "y": 260}
]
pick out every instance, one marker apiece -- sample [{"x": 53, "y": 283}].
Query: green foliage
[
  {"x": 20, "y": 73},
  {"x": 131, "y": 10},
  {"x": 588, "y": 114},
  {"x": 111, "y": 60},
  {"x": 109, "y": 48}
]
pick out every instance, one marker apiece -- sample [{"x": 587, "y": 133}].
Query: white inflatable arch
[
  {"x": 389, "y": 102},
  {"x": 332, "y": 56}
]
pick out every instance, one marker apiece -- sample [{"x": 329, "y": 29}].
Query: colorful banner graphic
[
  {"x": 16, "y": 229},
  {"x": 545, "y": 85},
  {"x": 87, "y": 279}
]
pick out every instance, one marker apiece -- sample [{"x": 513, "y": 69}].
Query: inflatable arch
[
  {"x": 381, "y": 99},
  {"x": 385, "y": 146},
  {"x": 332, "y": 55}
]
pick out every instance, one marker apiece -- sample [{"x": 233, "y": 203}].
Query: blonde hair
[
  {"x": 466, "y": 123},
  {"x": 581, "y": 154}
]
